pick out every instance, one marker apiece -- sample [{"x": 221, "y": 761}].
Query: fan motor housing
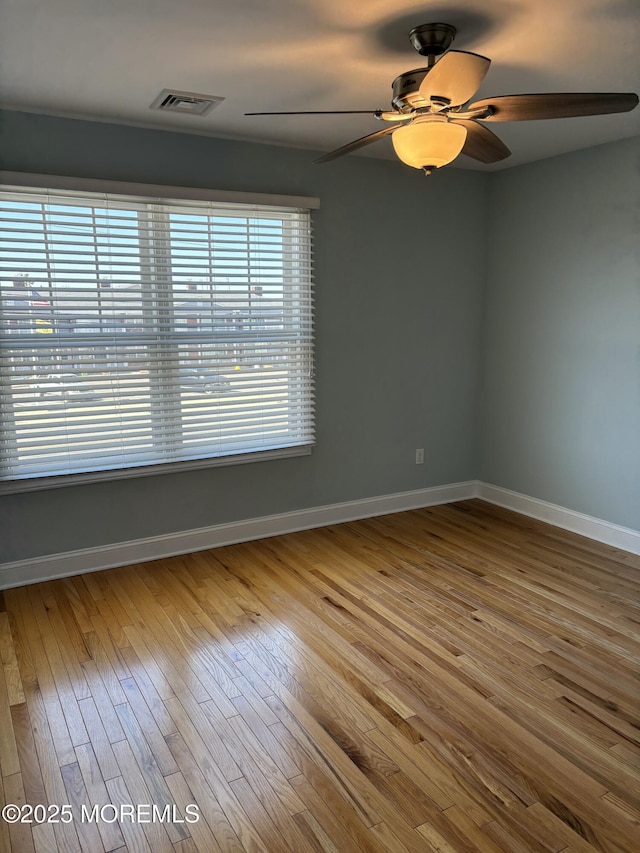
[{"x": 406, "y": 90}]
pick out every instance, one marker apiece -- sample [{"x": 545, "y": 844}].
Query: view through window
[{"x": 140, "y": 331}]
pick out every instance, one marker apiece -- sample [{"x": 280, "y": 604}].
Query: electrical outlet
[{"x": 420, "y": 456}]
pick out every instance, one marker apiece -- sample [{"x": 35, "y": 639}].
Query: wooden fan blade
[
  {"x": 456, "y": 77},
  {"x": 555, "y": 105},
  {"x": 482, "y": 144},
  {"x": 357, "y": 143},
  {"x": 321, "y": 113}
]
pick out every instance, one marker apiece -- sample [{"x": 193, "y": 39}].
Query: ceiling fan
[{"x": 432, "y": 120}]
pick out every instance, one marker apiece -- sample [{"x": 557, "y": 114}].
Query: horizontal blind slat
[{"x": 211, "y": 301}]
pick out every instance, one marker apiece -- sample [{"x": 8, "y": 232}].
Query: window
[{"x": 142, "y": 331}]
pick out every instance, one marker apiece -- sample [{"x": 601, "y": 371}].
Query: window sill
[{"x": 37, "y": 484}]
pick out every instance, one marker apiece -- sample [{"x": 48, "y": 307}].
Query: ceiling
[{"x": 109, "y": 59}]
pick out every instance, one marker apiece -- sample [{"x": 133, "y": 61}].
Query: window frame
[{"x": 154, "y": 192}]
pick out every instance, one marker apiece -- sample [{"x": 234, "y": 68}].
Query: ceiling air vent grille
[{"x": 191, "y": 103}]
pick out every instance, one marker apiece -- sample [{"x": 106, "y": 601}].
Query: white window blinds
[{"x": 143, "y": 331}]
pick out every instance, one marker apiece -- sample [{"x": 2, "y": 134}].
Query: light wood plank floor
[{"x": 457, "y": 678}]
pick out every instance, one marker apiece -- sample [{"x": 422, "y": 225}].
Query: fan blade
[
  {"x": 322, "y": 113},
  {"x": 482, "y": 144},
  {"x": 556, "y": 105},
  {"x": 357, "y": 143},
  {"x": 456, "y": 77}
]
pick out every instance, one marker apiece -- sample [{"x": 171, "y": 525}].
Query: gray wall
[
  {"x": 398, "y": 321},
  {"x": 561, "y": 352}
]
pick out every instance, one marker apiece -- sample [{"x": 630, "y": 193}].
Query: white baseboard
[
  {"x": 23, "y": 572},
  {"x": 586, "y": 525}
]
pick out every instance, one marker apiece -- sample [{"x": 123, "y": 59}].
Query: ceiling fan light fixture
[
  {"x": 429, "y": 142},
  {"x": 439, "y": 126}
]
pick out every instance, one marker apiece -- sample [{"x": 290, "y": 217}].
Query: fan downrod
[{"x": 432, "y": 39}]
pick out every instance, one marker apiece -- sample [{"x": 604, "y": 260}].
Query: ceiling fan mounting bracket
[{"x": 432, "y": 39}]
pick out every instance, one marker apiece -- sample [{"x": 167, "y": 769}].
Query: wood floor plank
[
  {"x": 27, "y": 755},
  {"x": 110, "y": 638},
  {"x": 270, "y": 836},
  {"x": 70, "y": 640},
  {"x": 9, "y": 761},
  {"x": 5, "y": 843},
  {"x": 314, "y": 833},
  {"x": 153, "y": 670},
  {"x": 263, "y": 758},
  {"x": 97, "y": 795},
  {"x": 20, "y": 838},
  {"x": 219, "y": 812},
  {"x": 15, "y": 693},
  {"x": 88, "y": 833},
  {"x": 60, "y": 717},
  {"x": 216, "y": 651},
  {"x": 134, "y": 833},
  {"x": 258, "y": 786},
  {"x": 99, "y": 740},
  {"x": 44, "y": 838},
  {"x": 201, "y": 840},
  {"x": 338, "y": 818},
  {"x": 139, "y": 767},
  {"x": 146, "y": 686},
  {"x": 191, "y": 716},
  {"x": 330, "y": 759},
  {"x": 456, "y": 678},
  {"x": 140, "y": 713},
  {"x": 43, "y": 739},
  {"x": 142, "y": 791},
  {"x": 190, "y": 846},
  {"x": 155, "y": 640},
  {"x": 470, "y": 830},
  {"x": 103, "y": 701},
  {"x": 196, "y": 763},
  {"x": 63, "y": 656}
]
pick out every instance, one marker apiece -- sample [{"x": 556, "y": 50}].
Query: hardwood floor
[{"x": 458, "y": 678}]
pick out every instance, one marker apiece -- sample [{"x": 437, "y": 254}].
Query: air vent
[{"x": 191, "y": 103}]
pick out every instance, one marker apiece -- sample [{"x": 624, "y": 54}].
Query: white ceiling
[{"x": 109, "y": 59}]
